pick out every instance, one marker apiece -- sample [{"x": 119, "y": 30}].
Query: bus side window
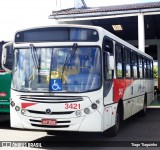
[
  {"x": 140, "y": 60},
  {"x": 119, "y": 61},
  {"x": 148, "y": 69},
  {"x": 135, "y": 65},
  {"x": 127, "y": 63},
  {"x": 107, "y": 47},
  {"x": 105, "y": 68},
  {"x": 144, "y": 69},
  {"x": 9, "y": 57},
  {"x": 151, "y": 63}
]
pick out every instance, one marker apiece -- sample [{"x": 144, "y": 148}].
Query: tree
[{"x": 155, "y": 71}]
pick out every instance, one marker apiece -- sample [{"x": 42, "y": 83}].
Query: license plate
[{"x": 50, "y": 122}]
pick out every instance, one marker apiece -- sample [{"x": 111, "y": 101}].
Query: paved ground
[
  {"x": 156, "y": 102},
  {"x": 135, "y": 130}
]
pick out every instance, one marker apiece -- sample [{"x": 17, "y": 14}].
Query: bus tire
[
  {"x": 142, "y": 113},
  {"x": 114, "y": 130}
]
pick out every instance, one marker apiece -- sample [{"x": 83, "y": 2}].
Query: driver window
[
  {"x": 108, "y": 45},
  {"x": 9, "y": 57},
  {"x": 107, "y": 48}
]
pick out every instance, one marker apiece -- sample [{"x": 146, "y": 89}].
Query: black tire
[
  {"x": 114, "y": 130},
  {"x": 61, "y": 133},
  {"x": 50, "y": 133},
  {"x": 143, "y": 112}
]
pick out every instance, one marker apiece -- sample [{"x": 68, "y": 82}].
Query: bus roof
[{"x": 99, "y": 29}]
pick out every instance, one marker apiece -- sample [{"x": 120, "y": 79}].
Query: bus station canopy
[{"x": 124, "y": 15}]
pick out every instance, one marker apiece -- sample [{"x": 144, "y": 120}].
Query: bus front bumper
[
  {"x": 88, "y": 123},
  {"x": 4, "y": 107}
]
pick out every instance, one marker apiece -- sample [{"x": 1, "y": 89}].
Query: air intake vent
[
  {"x": 59, "y": 124},
  {"x": 53, "y": 113},
  {"x": 51, "y": 99},
  {"x": 47, "y": 126}
]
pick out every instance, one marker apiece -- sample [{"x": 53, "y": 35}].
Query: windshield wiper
[
  {"x": 36, "y": 60},
  {"x": 69, "y": 57},
  {"x": 34, "y": 56}
]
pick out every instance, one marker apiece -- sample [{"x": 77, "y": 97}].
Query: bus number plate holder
[{"x": 51, "y": 122}]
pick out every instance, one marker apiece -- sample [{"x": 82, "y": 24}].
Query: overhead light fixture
[{"x": 117, "y": 27}]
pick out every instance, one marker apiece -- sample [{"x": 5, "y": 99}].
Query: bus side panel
[
  {"x": 15, "y": 119},
  {"x": 149, "y": 90},
  {"x": 110, "y": 108},
  {"x": 130, "y": 99},
  {"x": 107, "y": 117},
  {"x": 133, "y": 94},
  {"x": 108, "y": 99},
  {"x": 5, "y": 83},
  {"x": 120, "y": 87},
  {"x": 91, "y": 123},
  {"x": 127, "y": 109}
]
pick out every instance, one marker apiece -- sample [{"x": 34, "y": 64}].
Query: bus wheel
[
  {"x": 114, "y": 130},
  {"x": 142, "y": 113}
]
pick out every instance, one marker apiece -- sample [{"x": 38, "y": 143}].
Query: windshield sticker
[
  {"x": 55, "y": 85},
  {"x": 43, "y": 72}
]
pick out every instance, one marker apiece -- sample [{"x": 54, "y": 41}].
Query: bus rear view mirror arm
[
  {"x": 5, "y": 56},
  {"x": 110, "y": 61}
]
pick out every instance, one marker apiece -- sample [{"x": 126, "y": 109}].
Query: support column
[
  {"x": 58, "y": 5},
  {"x": 141, "y": 32},
  {"x": 158, "y": 57}
]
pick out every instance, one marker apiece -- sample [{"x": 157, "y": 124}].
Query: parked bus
[
  {"x": 77, "y": 78},
  {"x": 5, "y": 83}
]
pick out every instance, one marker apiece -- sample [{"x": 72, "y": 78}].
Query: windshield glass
[{"x": 57, "y": 69}]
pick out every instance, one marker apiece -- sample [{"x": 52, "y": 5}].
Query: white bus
[{"x": 77, "y": 78}]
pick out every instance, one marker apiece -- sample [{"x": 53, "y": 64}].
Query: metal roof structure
[
  {"x": 125, "y": 15},
  {"x": 106, "y": 10}
]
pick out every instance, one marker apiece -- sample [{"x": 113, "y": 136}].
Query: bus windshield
[{"x": 57, "y": 69}]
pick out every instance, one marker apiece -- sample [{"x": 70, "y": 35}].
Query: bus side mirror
[
  {"x": 3, "y": 60},
  {"x": 110, "y": 61},
  {"x": 7, "y": 56}
]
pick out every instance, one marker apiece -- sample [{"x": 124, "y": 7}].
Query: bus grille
[
  {"x": 47, "y": 126},
  {"x": 60, "y": 124},
  {"x": 50, "y": 98},
  {"x": 53, "y": 113}
]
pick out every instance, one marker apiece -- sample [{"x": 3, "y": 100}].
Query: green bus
[{"x": 5, "y": 83}]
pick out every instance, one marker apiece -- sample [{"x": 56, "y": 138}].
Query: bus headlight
[
  {"x": 17, "y": 108},
  {"x": 23, "y": 111},
  {"x": 94, "y": 106},
  {"x": 86, "y": 110},
  {"x": 97, "y": 102},
  {"x": 12, "y": 103},
  {"x": 78, "y": 113}
]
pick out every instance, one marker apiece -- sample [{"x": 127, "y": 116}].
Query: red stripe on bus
[
  {"x": 24, "y": 105},
  {"x": 120, "y": 85}
]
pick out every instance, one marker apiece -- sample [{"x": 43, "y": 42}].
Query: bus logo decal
[
  {"x": 3, "y": 94},
  {"x": 120, "y": 91},
  {"x": 56, "y": 85},
  {"x": 141, "y": 88},
  {"x": 48, "y": 111}
]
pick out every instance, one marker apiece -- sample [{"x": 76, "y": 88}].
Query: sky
[{"x": 20, "y": 14}]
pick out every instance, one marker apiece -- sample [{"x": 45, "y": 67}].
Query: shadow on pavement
[
  {"x": 133, "y": 129},
  {"x": 4, "y": 121}
]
